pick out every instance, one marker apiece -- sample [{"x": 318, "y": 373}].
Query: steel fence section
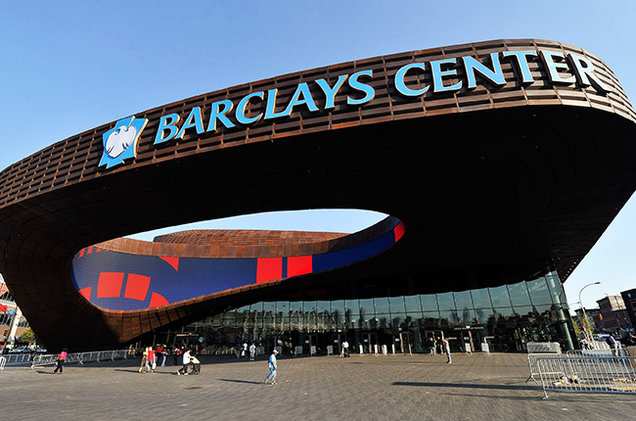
[
  {"x": 16, "y": 360},
  {"x": 537, "y": 350},
  {"x": 543, "y": 348},
  {"x": 587, "y": 374},
  {"x": 3, "y": 361},
  {"x": 81, "y": 357}
]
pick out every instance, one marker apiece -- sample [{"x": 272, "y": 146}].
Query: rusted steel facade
[{"x": 493, "y": 184}]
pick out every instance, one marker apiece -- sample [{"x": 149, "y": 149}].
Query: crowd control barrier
[
  {"x": 540, "y": 350},
  {"x": 17, "y": 360},
  {"x": 81, "y": 357},
  {"x": 586, "y": 374}
]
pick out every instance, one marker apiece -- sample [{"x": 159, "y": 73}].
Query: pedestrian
[
  {"x": 144, "y": 360},
  {"x": 160, "y": 352},
  {"x": 61, "y": 359},
  {"x": 345, "y": 349},
  {"x": 252, "y": 351},
  {"x": 186, "y": 363},
  {"x": 151, "y": 360},
  {"x": 446, "y": 350},
  {"x": 176, "y": 354},
  {"x": 244, "y": 350},
  {"x": 272, "y": 367}
]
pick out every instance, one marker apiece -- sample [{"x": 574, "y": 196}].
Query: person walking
[
  {"x": 186, "y": 362},
  {"x": 446, "y": 350},
  {"x": 252, "y": 351},
  {"x": 272, "y": 367},
  {"x": 160, "y": 352},
  {"x": 144, "y": 360},
  {"x": 345, "y": 349},
  {"x": 61, "y": 359},
  {"x": 176, "y": 353},
  {"x": 151, "y": 360}
]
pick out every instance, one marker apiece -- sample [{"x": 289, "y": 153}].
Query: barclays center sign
[{"x": 447, "y": 76}]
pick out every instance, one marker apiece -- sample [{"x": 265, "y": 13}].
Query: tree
[{"x": 27, "y": 336}]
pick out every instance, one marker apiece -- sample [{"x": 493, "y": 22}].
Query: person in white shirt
[
  {"x": 186, "y": 363},
  {"x": 345, "y": 349},
  {"x": 252, "y": 351},
  {"x": 272, "y": 368}
]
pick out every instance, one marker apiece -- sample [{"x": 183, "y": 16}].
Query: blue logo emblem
[{"x": 120, "y": 142}]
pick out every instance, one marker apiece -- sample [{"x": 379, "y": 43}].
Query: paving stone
[{"x": 476, "y": 387}]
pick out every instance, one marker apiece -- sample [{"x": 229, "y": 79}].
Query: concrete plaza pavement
[{"x": 420, "y": 387}]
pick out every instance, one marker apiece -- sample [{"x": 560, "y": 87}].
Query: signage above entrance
[{"x": 426, "y": 79}]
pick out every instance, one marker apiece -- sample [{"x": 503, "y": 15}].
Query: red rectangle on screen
[
  {"x": 299, "y": 265},
  {"x": 109, "y": 284},
  {"x": 137, "y": 286},
  {"x": 269, "y": 269}
]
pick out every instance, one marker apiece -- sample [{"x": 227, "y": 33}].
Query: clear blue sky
[{"x": 69, "y": 66}]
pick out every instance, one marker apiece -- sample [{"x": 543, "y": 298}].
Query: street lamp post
[{"x": 588, "y": 335}]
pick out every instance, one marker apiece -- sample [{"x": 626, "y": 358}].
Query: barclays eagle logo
[{"x": 120, "y": 142}]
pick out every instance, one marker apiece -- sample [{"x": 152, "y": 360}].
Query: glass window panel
[
  {"x": 481, "y": 298},
  {"x": 463, "y": 300},
  {"x": 244, "y": 309},
  {"x": 519, "y": 294},
  {"x": 430, "y": 320},
  {"x": 353, "y": 306},
  {"x": 412, "y": 303},
  {"x": 282, "y": 307},
  {"x": 500, "y": 297},
  {"x": 381, "y": 305},
  {"x": 366, "y": 307},
  {"x": 539, "y": 292},
  {"x": 482, "y": 315},
  {"x": 323, "y": 306},
  {"x": 309, "y": 306},
  {"x": 467, "y": 316},
  {"x": 382, "y": 321},
  {"x": 256, "y": 307},
  {"x": 446, "y": 301},
  {"x": 296, "y": 306},
  {"x": 524, "y": 310},
  {"x": 397, "y": 306},
  {"x": 504, "y": 311},
  {"x": 338, "y": 305},
  {"x": 449, "y": 318},
  {"x": 429, "y": 302}
]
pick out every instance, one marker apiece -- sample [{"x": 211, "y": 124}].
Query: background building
[
  {"x": 614, "y": 316},
  {"x": 629, "y": 299}
]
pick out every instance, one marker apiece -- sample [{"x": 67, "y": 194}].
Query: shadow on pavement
[
  {"x": 240, "y": 381},
  {"x": 470, "y": 386}
]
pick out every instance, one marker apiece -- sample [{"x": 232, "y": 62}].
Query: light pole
[{"x": 588, "y": 335}]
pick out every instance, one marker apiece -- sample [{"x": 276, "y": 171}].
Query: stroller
[{"x": 195, "y": 364}]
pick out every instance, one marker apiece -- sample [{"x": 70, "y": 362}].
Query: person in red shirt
[
  {"x": 152, "y": 362},
  {"x": 61, "y": 358}
]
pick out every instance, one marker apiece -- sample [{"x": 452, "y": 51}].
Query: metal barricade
[
  {"x": 3, "y": 361},
  {"x": 17, "y": 360},
  {"x": 81, "y": 357},
  {"x": 540, "y": 350},
  {"x": 586, "y": 374}
]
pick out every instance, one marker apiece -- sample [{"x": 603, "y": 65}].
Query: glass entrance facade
[{"x": 505, "y": 318}]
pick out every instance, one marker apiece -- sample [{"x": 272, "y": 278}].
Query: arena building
[{"x": 498, "y": 164}]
